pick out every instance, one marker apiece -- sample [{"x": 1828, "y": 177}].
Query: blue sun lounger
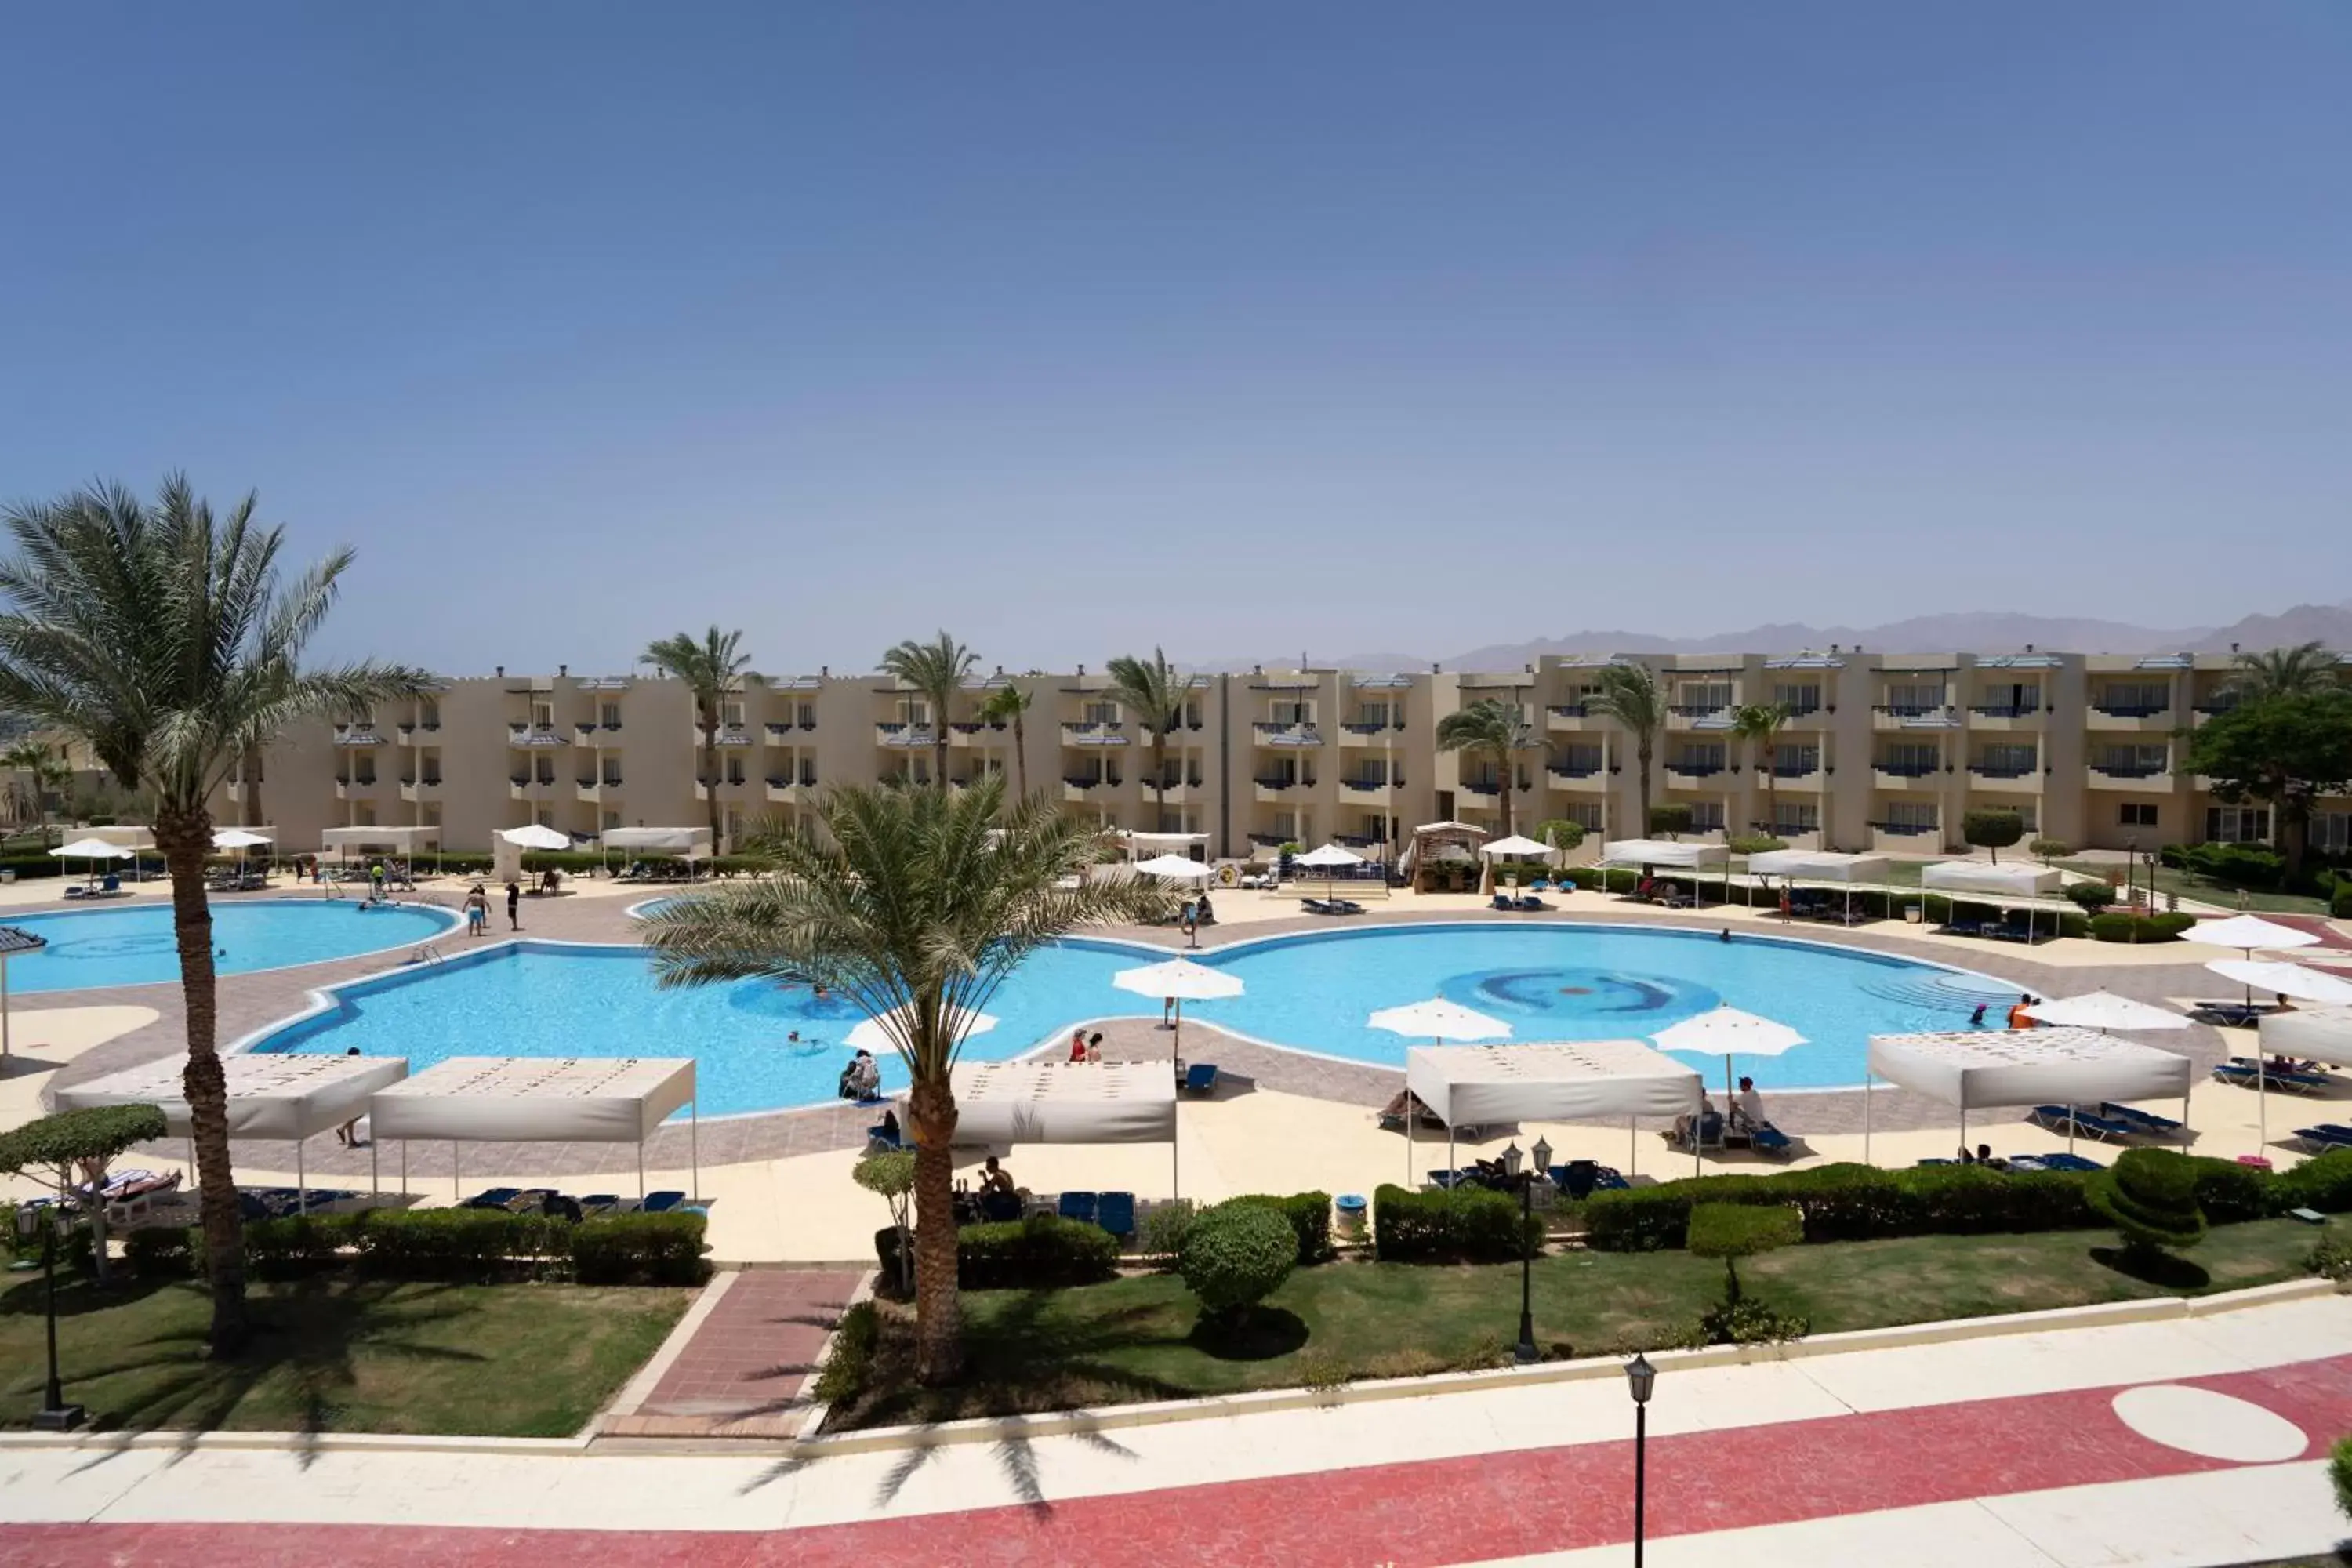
[
  {"x": 1199, "y": 1077},
  {"x": 1079, "y": 1207},
  {"x": 2085, "y": 1123},
  {"x": 1115, "y": 1212},
  {"x": 2147, "y": 1123},
  {"x": 662, "y": 1203},
  {"x": 2068, "y": 1162},
  {"x": 494, "y": 1198},
  {"x": 2327, "y": 1135}
]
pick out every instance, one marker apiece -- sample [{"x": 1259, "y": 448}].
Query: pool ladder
[{"x": 427, "y": 953}]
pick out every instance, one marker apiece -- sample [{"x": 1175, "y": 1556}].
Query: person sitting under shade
[
  {"x": 1687, "y": 1125},
  {"x": 1748, "y": 1108}
]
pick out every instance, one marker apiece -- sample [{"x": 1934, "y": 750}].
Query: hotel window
[
  {"x": 1915, "y": 699},
  {"x": 806, "y": 715},
  {"x": 1285, "y": 823},
  {"x": 1911, "y": 759},
  {"x": 2136, "y": 697},
  {"x": 611, "y": 773},
  {"x": 1585, "y": 814},
  {"x": 913, "y": 713},
  {"x": 1706, "y": 815},
  {"x": 1705, "y": 695},
  {"x": 428, "y": 714},
  {"x": 365, "y": 772},
  {"x": 1798, "y": 700},
  {"x": 2131, "y": 761},
  {"x": 609, "y": 715},
  {"x": 1372, "y": 715},
  {"x": 1580, "y": 760},
  {"x": 1699, "y": 758},
  {"x": 734, "y": 770},
  {"x": 1790, "y": 817},
  {"x": 2007, "y": 762},
  {"x": 1795, "y": 761},
  {"x": 542, "y": 715},
  {"x": 730, "y": 715},
  {"x": 2237, "y": 823},
  {"x": 1193, "y": 714},
  {"x": 612, "y": 820},
  {"x": 546, "y": 770},
  {"x": 1291, "y": 715},
  {"x": 545, "y": 817},
  {"x": 1916, "y": 816},
  {"x": 2135, "y": 814},
  {"x": 2331, "y": 831},
  {"x": 1375, "y": 828},
  {"x": 362, "y": 813},
  {"x": 1102, "y": 713}
]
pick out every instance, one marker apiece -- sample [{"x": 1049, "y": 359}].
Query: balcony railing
[
  {"x": 534, "y": 735},
  {"x": 2003, "y": 770},
  {"x": 1081, "y": 782},
  {"x": 1573, "y": 771},
  {"x": 1106, "y": 733},
  {"x": 1269, "y": 735},
  {"x": 2005, "y": 710},
  {"x": 890, "y": 734},
  {"x": 2131, "y": 709},
  {"x": 1697, "y": 710},
  {"x": 1483, "y": 786},
  {"x": 1909, "y": 709},
  {"x": 1371, "y": 786},
  {"x": 734, "y": 735},
  {"x": 1694, "y": 770},
  {"x": 1277, "y": 781},
  {"x": 1571, "y": 710},
  {"x": 1908, "y": 770},
  {"x": 2131, "y": 770},
  {"x": 357, "y": 735},
  {"x": 1360, "y": 729},
  {"x": 1905, "y": 829}
]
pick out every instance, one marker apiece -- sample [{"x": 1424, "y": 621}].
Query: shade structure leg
[
  {"x": 1865, "y": 1116},
  {"x": 1410, "y": 1116},
  {"x": 641, "y": 1173},
  {"x": 403, "y": 1167},
  {"x": 376, "y": 1177},
  {"x": 1449, "y": 1153},
  {"x": 1633, "y": 1147},
  {"x": 4, "y": 1006},
  {"x": 301, "y": 1180},
  {"x": 456, "y": 1186},
  {"x": 1964, "y": 1127},
  {"x": 694, "y": 1148},
  {"x": 2262, "y": 1099}
]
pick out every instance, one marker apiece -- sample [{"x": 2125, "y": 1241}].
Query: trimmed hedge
[
  {"x": 2115, "y": 925},
  {"x": 1042, "y": 1250},
  {"x": 1856, "y": 1202},
  {"x": 447, "y": 1244},
  {"x": 1470, "y": 1224},
  {"x": 1310, "y": 1215}
]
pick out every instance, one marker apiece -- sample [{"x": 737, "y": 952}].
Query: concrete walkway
[{"x": 2188, "y": 1441}]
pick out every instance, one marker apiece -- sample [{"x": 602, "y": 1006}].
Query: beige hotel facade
[{"x": 1882, "y": 752}]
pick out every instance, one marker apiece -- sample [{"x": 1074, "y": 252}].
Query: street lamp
[
  {"x": 1640, "y": 1378},
  {"x": 1512, "y": 1160},
  {"x": 55, "y": 1415}
]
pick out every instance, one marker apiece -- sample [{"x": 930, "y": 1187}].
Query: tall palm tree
[
  {"x": 937, "y": 669},
  {"x": 915, "y": 904},
  {"x": 711, "y": 668},
  {"x": 48, "y": 773},
  {"x": 1495, "y": 729},
  {"x": 163, "y": 638},
  {"x": 1009, "y": 703},
  {"x": 1759, "y": 724},
  {"x": 1154, "y": 691},
  {"x": 1629, "y": 693},
  {"x": 2284, "y": 672}
]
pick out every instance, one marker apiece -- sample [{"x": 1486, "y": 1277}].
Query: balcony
[
  {"x": 2005, "y": 780},
  {"x": 534, "y": 735},
  {"x": 1088, "y": 789},
  {"x": 1896, "y": 716},
  {"x": 1591, "y": 779},
  {"x": 1484, "y": 789},
  {"x": 405, "y": 734},
  {"x": 1368, "y": 734},
  {"x": 1906, "y": 834},
  {"x": 778, "y": 732},
  {"x": 1795, "y": 776},
  {"x": 1698, "y": 716},
  {"x": 415, "y": 790},
  {"x": 593, "y": 790},
  {"x": 784, "y": 791},
  {"x": 1370, "y": 786},
  {"x": 969, "y": 733},
  {"x": 728, "y": 789},
  {"x": 737, "y": 735},
  {"x": 905, "y": 736},
  {"x": 1569, "y": 716},
  {"x": 1691, "y": 770},
  {"x": 1907, "y": 776},
  {"x": 522, "y": 787},
  {"x": 2131, "y": 716},
  {"x": 357, "y": 735},
  {"x": 1104, "y": 732},
  {"x": 2138, "y": 777},
  {"x": 1277, "y": 789},
  {"x": 1998, "y": 716},
  {"x": 1286, "y": 736}
]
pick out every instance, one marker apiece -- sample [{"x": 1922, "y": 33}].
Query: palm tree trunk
[
  {"x": 1508, "y": 777},
  {"x": 1642, "y": 753},
  {"x": 1020, "y": 757},
  {"x": 184, "y": 835},
  {"x": 939, "y": 1307},
  {"x": 710, "y": 771},
  {"x": 1159, "y": 779}
]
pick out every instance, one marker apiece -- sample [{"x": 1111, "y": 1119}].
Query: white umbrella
[
  {"x": 238, "y": 838},
  {"x": 1175, "y": 982},
  {"x": 93, "y": 850},
  {"x": 2105, "y": 1010},
  {"x": 1732, "y": 1032},
  {"x": 875, "y": 1034},
  {"x": 1440, "y": 1021},
  {"x": 1175, "y": 868},
  {"x": 2247, "y": 932},
  {"x": 1513, "y": 845},
  {"x": 2285, "y": 979},
  {"x": 531, "y": 835},
  {"x": 1330, "y": 858}
]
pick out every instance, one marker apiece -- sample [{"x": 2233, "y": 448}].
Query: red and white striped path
[{"x": 2185, "y": 1442}]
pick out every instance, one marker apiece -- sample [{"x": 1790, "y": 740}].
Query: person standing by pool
[
  {"x": 478, "y": 911},
  {"x": 514, "y": 903}
]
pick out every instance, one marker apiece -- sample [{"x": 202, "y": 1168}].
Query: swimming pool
[
  {"x": 132, "y": 945},
  {"x": 1309, "y": 993}
]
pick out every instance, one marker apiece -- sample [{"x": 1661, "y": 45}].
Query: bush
[
  {"x": 1731, "y": 1231},
  {"x": 2331, "y": 1260},
  {"x": 2238, "y": 865},
  {"x": 161, "y": 1252},
  {"x": 296, "y": 1244},
  {"x": 2339, "y": 1470},
  {"x": 1470, "y": 1224},
  {"x": 2323, "y": 1183},
  {"x": 1042, "y": 1249},
  {"x": 2048, "y": 849},
  {"x": 639, "y": 1249},
  {"x": 1670, "y": 818},
  {"x": 2092, "y": 896},
  {"x": 1236, "y": 1253},
  {"x": 1848, "y": 1203},
  {"x": 2151, "y": 1197},
  {"x": 2115, "y": 925},
  {"x": 1309, "y": 1214},
  {"x": 2340, "y": 906},
  {"x": 849, "y": 1362},
  {"x": 1161, "y": 1230},
  {"x": 1754, "y": 844}
]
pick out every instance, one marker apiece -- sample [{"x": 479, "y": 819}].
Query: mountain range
[{"x": 1979, "y": 632}]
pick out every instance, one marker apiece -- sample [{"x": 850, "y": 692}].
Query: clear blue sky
[{"x": 1239, "y": 328}]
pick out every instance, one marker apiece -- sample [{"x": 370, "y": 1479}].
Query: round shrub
[
  {"x": 2048, "y": 849},
  {"x": 2151, "y": 1197},
  {"x": 2092, "y": 896},
  {"x": 1235, "y": 1255}
]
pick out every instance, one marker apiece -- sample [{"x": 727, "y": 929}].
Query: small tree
[
  {"x": 1670, "y": 819},
  {"x": 2048, "y": 849},
  {"x": 2285, "y": 752},
  {"x": 1560, "y": 833},
  {"x": 2151, "y": 1197},
  {"x": 891, "y": 1177},
  {"x": 1995, "y": 830},
  {"x": 1731, "y": 1232},
  {"x": 73, "y": 1148},
  {"x": 2092, "y": 896},
  {"x": 1234, "y": 1256}
]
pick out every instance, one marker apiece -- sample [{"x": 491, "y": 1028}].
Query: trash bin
[
  {"x": 1350, "y": 1207},
  {"x": 1913, "y": 914}
]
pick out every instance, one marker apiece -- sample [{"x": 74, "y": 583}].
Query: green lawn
[
  {"x": 2189, "y": 885},
  {"x": 336, "y": 1354},
  {"x": 1133, "y": 1339}
]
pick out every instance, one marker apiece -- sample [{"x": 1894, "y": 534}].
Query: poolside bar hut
[
  {"x": 1793, "y": 866},
  {"x": 2013, "y": 886},
  {"x": 1976, "y": 1068},
  {"x": 1035, "y": 1101},
  {"x": 1579, "y": 1081},
  {"x": 539, "y": 1099},
  {"x": 401, "y": 841},
  {"x": 1672, "y": 854},
  {"x": 691, "y": 844},
  {"x": 1435, "y": 846},
  {"x": 291, "y": 1097}
]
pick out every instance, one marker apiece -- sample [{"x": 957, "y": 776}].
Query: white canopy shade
[
  {"x": 394, "y": 837},
  {"x": 290, "y": 1096},
  {"x": 2319, "y": 1034},
  {"x": 1179, "y": 979},
  {"x": 1820, "y": 866},
  {"x": 694, "y": 843},
  {"x": 1137, "y": 840},
  {"x": 599, "y": 1099},
  {"x": 2248, "y": 933},
  {"x": 1333, "y": 855},
  {"x": 1514, "y": 844},
  {"x": 1728, "y": 1031},
  {"x": 1449, "y": 824},
  {"x": 2105, "y": 1010},
  {"x": 2285, "y": 979},
  {"x": 1064, "y": 1102},
  {"x": 1584, "y": 1079},
  {"x": 1663, "y": 852},
  {"x": 1977, "y": 1068},
  {"x": 876, "y": 1033},
  {"x": 1438, "y": 1019},
  {"x": 239, "y": 838},
  {"x": 1982, "y": 877},
  {"x": 531, "y": 835},
  {"x": 1175, "y": 868},
  {"x": 92, "y": 850}
]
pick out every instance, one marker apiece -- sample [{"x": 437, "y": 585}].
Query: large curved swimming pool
[
  {"x": 1309, "y": 993},
  {"x": 132, "y": 945}
]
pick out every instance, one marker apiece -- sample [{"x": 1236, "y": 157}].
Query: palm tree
[
  {"x": 2284, "y": 672},
  {"x": 49, "y": 772},
  {"x": 1009, "y": 703},
  {"x": 915, "y": 904},
  {"x": 710, "y": 669},
  {"x": 936, "y": 668},
  {"x": 1629, "y": 694},
  {"x": 163, "y": 639},
  {"x": 1497, "y": 728},
  {"x": 1154, "y": 692},
  {"x": 1759, "y": 723}
]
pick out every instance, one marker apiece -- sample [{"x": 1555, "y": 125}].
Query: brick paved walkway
[{"x": 742, "y": 1369}]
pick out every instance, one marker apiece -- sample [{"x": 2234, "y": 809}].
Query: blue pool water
[
  {"x": 132, "y": 945},
  {"x": 1311, "y": 993}
]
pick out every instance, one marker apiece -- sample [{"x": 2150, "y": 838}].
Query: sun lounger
[
  {"x": 1769, "y": 1139},
  {"x": 1079, "y": 1207},
  {"x": 2294, "y": 1080},
  {"x": 2085, "y": 1123},
  {"x": 600, "y": 1203},
  {"x": 2321, "y": 1140},
  {"x": 1199, "y": 1077},
  {"x": 2147, "y": 1123},
  {"x": 2069, "y": 1163},
  {"x": 662, "y": 1202},
  {"x": 2027, "y": 1162},
  {"x": 1115, "y": 1212},
  {"x": 2232, "y": 1012},
  {"x": 493, "y": 1198}
]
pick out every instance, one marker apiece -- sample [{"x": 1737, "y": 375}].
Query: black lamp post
[
  {"x": 55, "y": 1415},
  {"x": 1524, "y": 1351},
  {"x": 1640, "y": 1378}
]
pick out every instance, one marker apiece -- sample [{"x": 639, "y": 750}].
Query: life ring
[{"x": 1228, "y": 875}]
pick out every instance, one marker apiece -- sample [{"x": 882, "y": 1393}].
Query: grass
[
  {"x": 333, "y": 1353},
  {"x": 1134, "y": 1339},
  {"x": 2205, "y": 889}
]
